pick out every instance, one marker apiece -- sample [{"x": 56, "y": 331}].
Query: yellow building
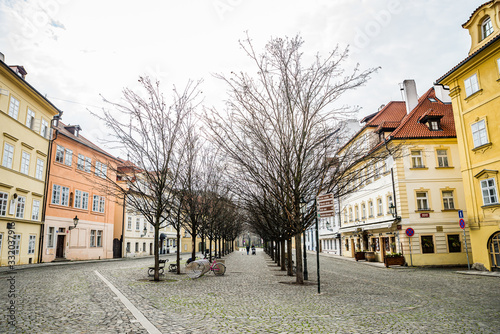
[
  {"x": 475, "y": 92},
  {"x": 25, "y": 118},
  {"x": 419, "y": 188}
]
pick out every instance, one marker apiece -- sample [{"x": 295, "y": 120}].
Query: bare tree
[
  {"x": 148, "y": 129},
  {"x": 278, "y": 131}
]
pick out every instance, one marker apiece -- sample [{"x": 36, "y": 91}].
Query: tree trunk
[
  {"x": 289, "y": 270},
  {"x": 157, "y": 256},
  {"x": 193, "y": 244},
  {"x": 298, "y": 259},
  {"x": 178, "y": 257}
]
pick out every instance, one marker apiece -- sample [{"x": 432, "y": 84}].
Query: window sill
[
  {"x": 473, "y": 95},
  {"x": 447, "y": 167},
  {"x": 380, "y": 214},
  {"x": 482, "y": 148},
  {"x": 416, "y": 168},
  {"x": 62, "y": 164},
  {"x": 449, "y": 210},
  {"x": 491, "y": 206},
  {"x": 425, "y": 210}
]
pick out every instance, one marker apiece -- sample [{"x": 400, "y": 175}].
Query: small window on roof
[
  {"x": 432, "y": 99},
  {"x": 434, "y": 125},
  {"x": 486, "y": 28}
]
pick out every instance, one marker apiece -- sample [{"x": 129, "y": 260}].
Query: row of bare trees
[{"x": 171, "y": 177}]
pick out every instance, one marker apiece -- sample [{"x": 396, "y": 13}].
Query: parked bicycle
[{"x": 198, "y": 268}]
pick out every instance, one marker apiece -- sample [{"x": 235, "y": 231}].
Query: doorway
[
  {"x": 60, "y": 246},
  {"x": 494, "y": 248}
]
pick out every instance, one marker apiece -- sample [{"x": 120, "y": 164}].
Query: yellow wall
[
  {"x": 23, "y": 139},
  {"x": 483, "y": 220}
]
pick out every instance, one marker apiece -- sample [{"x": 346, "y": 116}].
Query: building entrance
[{"x": 494, "y": 248}]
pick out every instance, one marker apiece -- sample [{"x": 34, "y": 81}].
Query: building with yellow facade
[
  {"x": 418, "y": 186},
  {"x": 25, "y": 118},
  {"x": 475, "y": 92}
]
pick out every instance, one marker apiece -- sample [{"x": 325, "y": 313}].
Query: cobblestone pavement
[{"x": 253, "y": 297}]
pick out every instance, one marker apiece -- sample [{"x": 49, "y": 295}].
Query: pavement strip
[{"x": 137, "y": 314}]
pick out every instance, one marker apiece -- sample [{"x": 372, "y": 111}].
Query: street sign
[
  {"x": 410, "y": 232},
  {"x": 462, "y": 223},
  {"x": 460, "y": 214}
]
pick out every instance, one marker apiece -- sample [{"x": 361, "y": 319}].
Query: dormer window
[
  {"x": 486, "y": 28},
  {"x": 434, "y": 125}
]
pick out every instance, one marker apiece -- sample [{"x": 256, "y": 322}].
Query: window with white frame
[
  {"x": 448, "y": 203},
  {"x": 370, "y": 206},
  {"x": 68, "y": 157},
  {"x": 442, "y": 156},
  {"x": 30, "y": 119},
  {"x": 416, "y": 159},
  {"x": 390, "y": 203},
  {"x": 85, "y": 200},
  {"x": 92, "y": 238},
  {"x": 35, "y": 210},
  {"x": 101, "y": 204},
  {"x": 56, "y": 194},
  {"x": 95, "y": 203},
  {"x": 129, "y": 223},
  {"x": 498, "y": 65},
  {"x": 363, "y": 211},
  {"x": 88, "y": 164},
  {"x": 471, "y": 85},
  {"x": 422, "y": 200},
  {"x": 8, "y": 155},
  {"x": 78, "y": 199},
  {"x": 434, "y": 125},
  {"x": 99, "y": 238},
  {"x": 39, "y": 169},
  {"x": 64, "y": 196},
  {"x": 137, "y": 224},
  {"x": 356, "y": 212},
  {"x": 13, "y": 107},
  {"x": 486, "y": 28},
  {"x": 98, "y": 166},
  {"x": 3, "y": 203},
  {"x": 44, "y": 129},
  {"x": 31, "y": 244},
  {"x": 150, "y": 228},
  {"x": 489, "y": 190},
  {"x": 479, "y": 134},
  {"x": 81, "y": 162},
  {"x": 1, "y": 241},
  {"x": 21, "y": 204},
  {"x": 380, "y": 207},
  {"x": 16, "y": 239},
  {"x": 59, "y": 154},
  {"x": 345, "y": 216},
  {"x": 50, "y": 237},
  {"x": 25, "y": 163},
  {"x": 350, "y": 214}
]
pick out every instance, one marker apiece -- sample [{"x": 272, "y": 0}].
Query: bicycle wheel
[
  {"x": 219, "y": 269},
  {"x": 194, "y": 269}
]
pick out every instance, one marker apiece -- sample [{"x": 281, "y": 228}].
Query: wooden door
[{"x": 60, "y": 246}]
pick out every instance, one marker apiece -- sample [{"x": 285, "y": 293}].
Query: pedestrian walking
[{"x": 248, "y": 249}]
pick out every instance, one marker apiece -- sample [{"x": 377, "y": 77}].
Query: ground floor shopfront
[
  {"x": 432, "y": 243},
  {"x": 19, "y": 241}
]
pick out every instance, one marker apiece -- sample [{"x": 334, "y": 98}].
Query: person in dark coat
[{"x": 248, "y": 249}]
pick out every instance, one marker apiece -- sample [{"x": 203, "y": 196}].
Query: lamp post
[
  {"x": 303, "y": 206},
  {"x": 75, "y": 222},
  {"x": 317, "y": 242}
]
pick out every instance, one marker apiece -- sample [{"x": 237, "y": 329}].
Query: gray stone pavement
[{"x": 253, "y": 297}]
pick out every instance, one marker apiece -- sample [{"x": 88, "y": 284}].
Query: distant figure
[
  {"x": 248, "y": 249},
  {"x": 253, "y": 250}
]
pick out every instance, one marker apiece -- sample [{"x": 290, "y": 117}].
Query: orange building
[{"x": 77, "y": 168}]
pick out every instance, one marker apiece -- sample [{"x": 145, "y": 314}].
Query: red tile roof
[
  {"x": 394, "y": 111},
  {"x": 410, "y": 128}
]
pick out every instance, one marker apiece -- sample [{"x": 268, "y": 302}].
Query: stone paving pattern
[{"x": 253, "y": 297}]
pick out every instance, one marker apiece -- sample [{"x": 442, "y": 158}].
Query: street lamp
[
  {"x": 75, "y": 222},
  {"x": 303, "y": 206},
  {"x": 392, "y": 210},
  {"x": 145, "y": 231}
]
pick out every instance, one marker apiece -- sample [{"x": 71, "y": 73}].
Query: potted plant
[
  {"x": 359, "y": 255},
  {"x": 394, "y": 259}
]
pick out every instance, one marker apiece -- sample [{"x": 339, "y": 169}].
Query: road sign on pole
[
  {"x": 410, "y": 232},
  {"x": 462, "y": 223},
  {"x": 460, "y": 214}
]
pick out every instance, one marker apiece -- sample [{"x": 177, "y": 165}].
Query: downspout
[
  {"x": 46, "y": 190},
  {"x": 122, "y": 238}
]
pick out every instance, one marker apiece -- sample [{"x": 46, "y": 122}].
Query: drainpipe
[
  {"x": 122, "y": 238},
  {"x": 46, "y": 189}
]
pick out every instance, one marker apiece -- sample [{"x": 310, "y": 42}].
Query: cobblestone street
[{"x": 253, "y": 297}]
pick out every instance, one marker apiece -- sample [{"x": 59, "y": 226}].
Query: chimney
[
  {"x": 442, "y": 93},
  {"x": 410, "y": 94}
]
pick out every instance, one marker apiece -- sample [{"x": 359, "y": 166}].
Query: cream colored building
[{"x": 25, "y": 118}]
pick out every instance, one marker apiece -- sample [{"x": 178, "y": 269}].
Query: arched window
[
  {"x": 494, "y": 248},
  {"x": 486, "y": 28}
]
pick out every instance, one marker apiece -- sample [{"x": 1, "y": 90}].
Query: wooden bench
[
  {"x": 172, "y": 268},
  {"x": 161, "y": 268}
]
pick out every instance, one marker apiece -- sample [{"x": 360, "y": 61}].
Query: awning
[{"x": 367, "y": 227}]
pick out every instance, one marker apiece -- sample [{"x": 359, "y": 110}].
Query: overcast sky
[{"x": 76, "y": 50}]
